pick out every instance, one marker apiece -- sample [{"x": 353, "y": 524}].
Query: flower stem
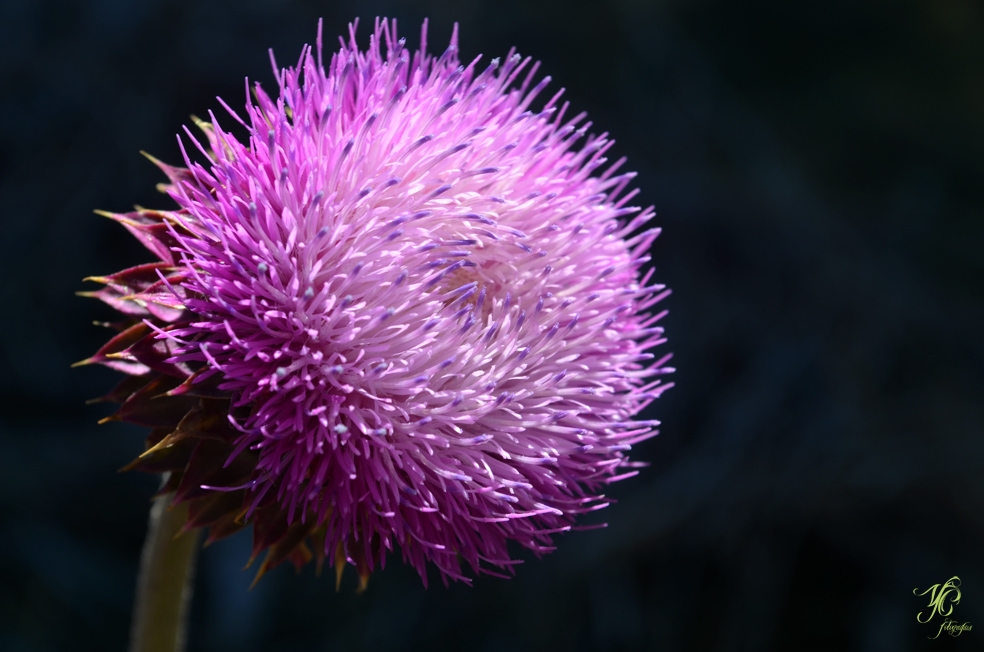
[{"x": 167, "y": 570}]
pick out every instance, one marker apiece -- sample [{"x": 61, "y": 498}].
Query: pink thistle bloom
[{"x": 420, "y": 303}]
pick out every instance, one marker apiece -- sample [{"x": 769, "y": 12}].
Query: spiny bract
[{"x": 406, "y": 312}]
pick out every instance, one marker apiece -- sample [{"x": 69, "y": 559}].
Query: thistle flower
[{"x": 407, "y": 312}]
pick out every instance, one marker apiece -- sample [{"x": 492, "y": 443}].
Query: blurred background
[{"x": 818, "y": 169}]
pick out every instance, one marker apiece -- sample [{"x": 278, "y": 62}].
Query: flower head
[{"x": 406, "y": 312}]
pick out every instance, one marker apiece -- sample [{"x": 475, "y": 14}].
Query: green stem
[{"x": 167, "y": 570}]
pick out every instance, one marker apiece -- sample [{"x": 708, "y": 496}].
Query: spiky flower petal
[{"x": 407, "y": 311}]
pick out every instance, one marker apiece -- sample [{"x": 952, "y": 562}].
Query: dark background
[{"x": 818, "y": 168}]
